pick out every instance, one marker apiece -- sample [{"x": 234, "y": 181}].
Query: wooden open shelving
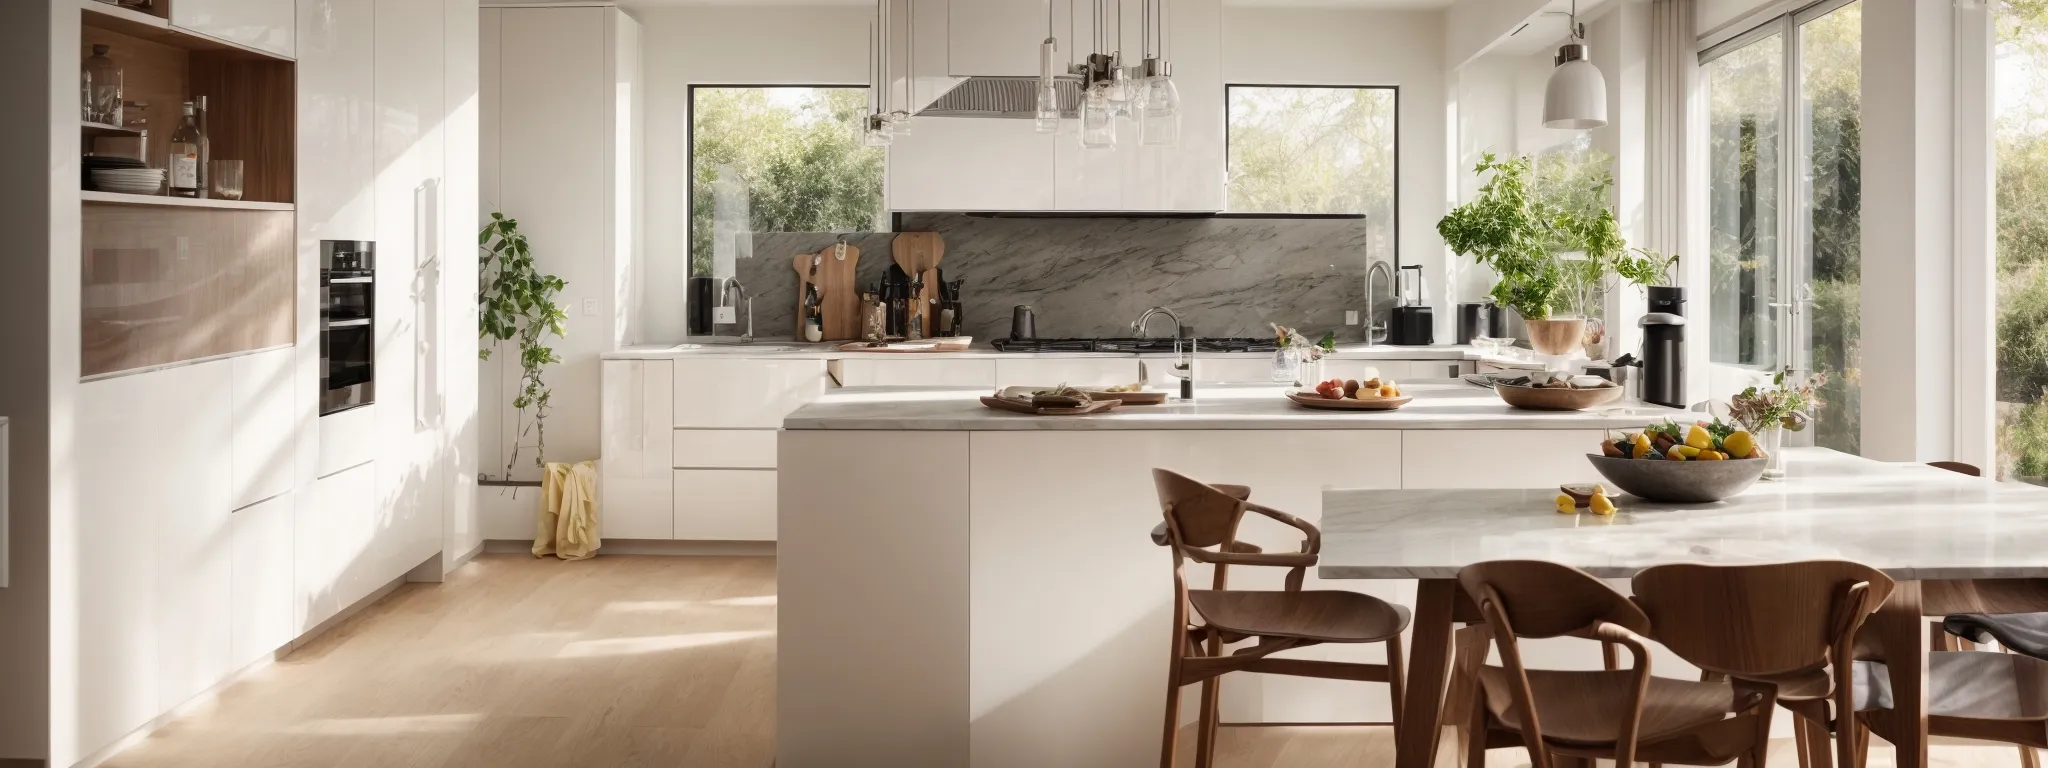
[{"x": 117, "y": 198}]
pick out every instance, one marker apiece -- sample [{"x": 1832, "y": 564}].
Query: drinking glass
[{"x": 227, "y": 179}]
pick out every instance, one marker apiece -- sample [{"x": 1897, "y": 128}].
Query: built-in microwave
[{"x": 348, "y": 301}]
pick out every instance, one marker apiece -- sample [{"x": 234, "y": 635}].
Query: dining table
[{"x": 1954, "y": 543}]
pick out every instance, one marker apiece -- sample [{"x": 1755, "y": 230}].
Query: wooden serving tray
[
  {"x": 1556, "y": 398},
  {"x": 1013, "y": 406},
  {"x": 1129, "y": 398},
  {"x": 1321, "y": 403}
]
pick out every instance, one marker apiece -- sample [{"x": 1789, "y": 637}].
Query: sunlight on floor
[
  {"x": 619, "y": 646},
  {"x": 390, "y": 726}
]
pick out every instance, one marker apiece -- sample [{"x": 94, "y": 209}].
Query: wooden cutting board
[
  {"x": 918, "y": 253},
  {"x": 839, "y": 300}
]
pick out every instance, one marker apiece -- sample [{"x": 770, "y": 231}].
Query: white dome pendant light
[{"x": 1576, "y": 97}]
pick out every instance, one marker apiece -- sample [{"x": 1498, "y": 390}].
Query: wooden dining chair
[
  {"x": 1201, "y": 525},
  {"x": 1792, "y": 625},
  {"x": 1624, "y": 715}
]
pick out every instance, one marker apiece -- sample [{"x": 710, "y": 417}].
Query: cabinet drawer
[
  {"x": 725, "y": 505},
  {"x": 725, "y": 448},
  {"x": 743, "y": 393},
  {"x": 917, "y": 373}
]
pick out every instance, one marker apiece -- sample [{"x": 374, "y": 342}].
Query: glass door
[{"x": 1784, "y": 229}]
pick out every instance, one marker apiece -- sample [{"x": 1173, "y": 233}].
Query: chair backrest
[
  {"x": 1202, "y": 514},
  {"x": 1757, "y": 620},
  {"x": 1545, "y": 599},
  {"x": 1957, "y": 467}
]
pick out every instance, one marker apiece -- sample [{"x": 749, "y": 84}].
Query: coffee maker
[
  {"x": 1413, "y": 324},
  {"x": 1663, "y": 357}
]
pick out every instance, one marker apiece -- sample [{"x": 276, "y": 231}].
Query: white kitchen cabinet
[
  {"x": 336, "y": 122},
  {"x": 331, "y": 545},
  {"x": 263, "y": 24},
  {"x": 963, "y": 164},
  {"x": 261, "y": 607},
  {"x": 266, "y": 426},
  {"x": 1077, "y": 371},
  {"x": 878, "y": 370},
  {"x": 743, "y": 393},
  {"x": 636, "y": 480},
  {"x": 725, "y": 448},
  {"x": 1236, "y": 369},
  {"x": 725, "y": 505}
]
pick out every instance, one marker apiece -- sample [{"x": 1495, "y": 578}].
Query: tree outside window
[
  {"x": 1316, "y": 150},
  {"x": 789, "y": 159}
]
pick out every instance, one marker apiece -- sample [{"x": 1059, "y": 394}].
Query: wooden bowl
[
  {"x": 1556, "y": 398},
  {"x": 1684, "y": 482},
  {"x": 1318, "y": 402}
]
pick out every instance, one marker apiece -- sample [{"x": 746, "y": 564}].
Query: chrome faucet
[
  {"x": 1372, "y": 327},
  {"x": 725, "y": 292},
  {"x": 1139, "y": 326}
]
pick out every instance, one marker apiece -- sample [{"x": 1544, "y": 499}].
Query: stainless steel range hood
[{"x": 1013, "y": 98}]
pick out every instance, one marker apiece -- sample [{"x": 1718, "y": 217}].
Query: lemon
[
  {"x": 1740, "y": 444},
  {"x": 1686, "y": 451},
  {"x": 1565, "y": 505},
  {"x": 1698, "y": 437},
  {"x": 1711, "y": 456},
  {"x": 1601, "y": 506},
  {"x": 1674, "y": 455}
]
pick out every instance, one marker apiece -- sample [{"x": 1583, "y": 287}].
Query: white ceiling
[{"x": 1546, "y": 31}]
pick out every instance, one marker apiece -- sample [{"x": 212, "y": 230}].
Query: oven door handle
[
  {"x": 357, "y": 322},
  {"x": 350, "y": 280}
]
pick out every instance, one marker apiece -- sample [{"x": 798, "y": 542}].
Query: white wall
[
  {"x": 1272, "y": 46},
  {"x": 721, "y": 45}
]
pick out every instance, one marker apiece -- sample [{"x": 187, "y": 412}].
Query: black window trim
[{"x": 1396, "y": 223}]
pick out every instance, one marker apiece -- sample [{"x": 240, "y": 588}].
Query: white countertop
[
  {"x": 1908, "y": 520},
  {"x": 1438, "y": 404},
  {"x": 761, "y": 349}
]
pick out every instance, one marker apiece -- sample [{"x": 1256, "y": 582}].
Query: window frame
[
  {"x": 690, "y": 156},
  {"x": 1395, "y": 244},
  {"x": 1795, "y": 195}
]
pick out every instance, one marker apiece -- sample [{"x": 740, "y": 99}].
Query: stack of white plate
[{"x": 133, "y": 181}]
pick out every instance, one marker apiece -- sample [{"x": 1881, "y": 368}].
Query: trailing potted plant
[
  {"x": 516, "y": 300},
  {"x": 1552, "y": 261}
]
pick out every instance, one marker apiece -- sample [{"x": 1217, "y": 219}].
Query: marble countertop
[
  {"x": 1908, "y": 520},
  {"x": 760, "y": 348},
  {"x": 1438, "y": 404}
]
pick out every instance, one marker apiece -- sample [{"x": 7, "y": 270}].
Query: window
[
  {"x": 1315, "y": 150},
  {"x": 2020, "y": 91},
  {"x": 1784, "y": 117},
  {"x": 777, "y": 159}
]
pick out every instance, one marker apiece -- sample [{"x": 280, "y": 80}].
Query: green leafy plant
[
  {"x": 1791, "y": 407},
  {"x": 517, "y": 301},
  {"x": 1550, "y": 257}
]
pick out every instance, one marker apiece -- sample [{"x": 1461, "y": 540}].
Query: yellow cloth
[{"x": 567, "y": 527}]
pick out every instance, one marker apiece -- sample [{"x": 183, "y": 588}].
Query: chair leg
[
  {"x": 1799, "y": 741},
  {"x": 1475, "y": 735},
  {"x": 1172, "y": 738},
  {"x": 2028, "y": 759},
  {"x": 1205, "y": 738},
  {"x": 1396, "y": 680},
  {"x": 1819, "y": 748}
]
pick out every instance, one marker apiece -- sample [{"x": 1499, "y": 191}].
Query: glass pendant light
[
  {"x": 1159, "y": 122},
  {"x": 1047, "y": 109},
  {"x": 1098, "y": 126},
  {"x": 1576, "y": 96}
]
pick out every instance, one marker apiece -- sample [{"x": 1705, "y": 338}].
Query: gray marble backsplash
[{"x": 1093, "y": 276}]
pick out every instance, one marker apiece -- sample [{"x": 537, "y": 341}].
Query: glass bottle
[
  {"x": 184, "y": 164},
  {"x": 105, "y": 86},
  {"x": 205, "y": 147},
  {"x": 1048, "y": 102}
]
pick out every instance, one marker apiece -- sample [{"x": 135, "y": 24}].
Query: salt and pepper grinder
[{"x": 1184, "y": 367}]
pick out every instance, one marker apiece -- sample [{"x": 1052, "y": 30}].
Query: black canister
[
  {"x": 1496, "y": 320},
  {"x": 701, "y": 299},
  {"x": 1664, "y": 347},
  {"x": 1472, "y": 322},
  {"x": 1023, "y": 322}
]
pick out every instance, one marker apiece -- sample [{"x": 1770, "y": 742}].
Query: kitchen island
[{"x": 961, "y": 586}]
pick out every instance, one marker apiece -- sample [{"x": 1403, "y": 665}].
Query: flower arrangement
[{"x": 1785, "y": 406}]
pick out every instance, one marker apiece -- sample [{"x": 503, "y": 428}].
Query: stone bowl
[{"x": 1682, "y": 482}]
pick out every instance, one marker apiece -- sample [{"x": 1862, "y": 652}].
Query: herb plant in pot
[{"x": 1552, "y": 262}]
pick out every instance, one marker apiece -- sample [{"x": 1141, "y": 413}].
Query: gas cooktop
[{"x": 1130, "y": 345}]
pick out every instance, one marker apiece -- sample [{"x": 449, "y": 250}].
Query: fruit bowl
[
  {"x": 1556, "y": 398},
  {"x": 1684, "y": 482}
]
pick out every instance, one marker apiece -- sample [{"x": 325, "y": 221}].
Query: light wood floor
[{"x": 620, "y": 661}]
